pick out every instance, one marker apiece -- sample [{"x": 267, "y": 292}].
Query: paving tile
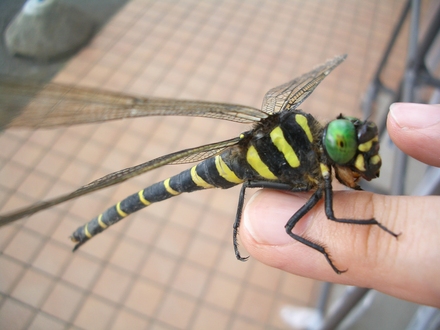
[
  {"x": 112, "y": 284},
  {"x": 298, "y": 288},
  {"x": 240, "y": 323},
  {"x": 15, "y": 315},
  {"x": 159, "y": 267},
  {"x": 126, "y": 320},
  {"x": 52, "y": 258},
  {"x": 94, "y": 314},
  {"x": 32, "y": 288},
  {"x": 190, "y": 279},
  {"x": 176, "y": 310},
  {"x": 145, "y": 297},
  {"x": 173, "y": 239},
  {"x": 24, "y": 246},
  {"x": 128, "y": 255},
  {"x": 255, "y": 304},
  {"x": 43, "y": 321},
  {"x": 81, "y": 271},
  {"x": 203, "y": 251},
  {"x": 10, "y": 272},
  {"x": 210, "y": 318},
  {"x": 264, "y": 277},
  {"x": 222, "y": 292},
  {"x": 63, "y": 301}
]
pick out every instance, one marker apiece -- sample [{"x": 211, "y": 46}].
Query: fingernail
[
  {"x": 266, "y": 214},
  {"x": 414, "y": 115}
]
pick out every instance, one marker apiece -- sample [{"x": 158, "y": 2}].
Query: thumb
[{"x": 374, "y": 259}]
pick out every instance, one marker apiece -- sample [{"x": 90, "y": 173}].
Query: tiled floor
[{"x": 172, "y": 265}]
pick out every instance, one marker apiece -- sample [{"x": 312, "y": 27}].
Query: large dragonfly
[{"x": 286, "y": 149}]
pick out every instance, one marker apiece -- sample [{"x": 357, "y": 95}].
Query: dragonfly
[{"x": 286, "y": 149}]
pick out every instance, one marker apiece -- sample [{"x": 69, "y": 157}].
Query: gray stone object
[{"x": 46, "y": 30}]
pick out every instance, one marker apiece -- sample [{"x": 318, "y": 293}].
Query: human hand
[{"x": 407, "y": 267}]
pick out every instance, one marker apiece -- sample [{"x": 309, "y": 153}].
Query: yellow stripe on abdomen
[
  {"x": 86, "y": 231},
  {"x": 101, "y": 223},
  {"x": 284, "y": 147},
  {"x": 119, "y": 210},
  {"x": 253, "y": 158},
  {"x": 199, "y": 180},
  {"x": 142, "y": 198},
  {"x": 302, "y": 121},
  {"x": 225, "y": 172},
  {"x": 170, "y": 190}
]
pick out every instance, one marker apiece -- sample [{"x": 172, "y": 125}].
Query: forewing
[
  {"x": 35, "y": 105},
  {"x": 179, "y": 157},
  {"x": 290, "y": 95}
]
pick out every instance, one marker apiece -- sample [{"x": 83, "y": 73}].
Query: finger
[
  {"x": 415, "y": 129},
  {"x": 374, "y": 258}
]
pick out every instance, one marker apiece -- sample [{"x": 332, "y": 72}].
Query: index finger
[{"x": 415, "y": 129}]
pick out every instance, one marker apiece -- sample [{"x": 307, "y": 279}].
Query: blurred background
[{"x": 172, "y": 265}]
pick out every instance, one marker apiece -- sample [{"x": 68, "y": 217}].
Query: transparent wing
[
  {"x": 36, "y": 105},
  {"x": 290, "y": 95},
  {"x": 179, "y": 157}
]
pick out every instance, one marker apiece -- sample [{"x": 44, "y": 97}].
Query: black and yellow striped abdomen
[
  {"x": 281, "y": 149},
  {"x": 211, "y": 173}
]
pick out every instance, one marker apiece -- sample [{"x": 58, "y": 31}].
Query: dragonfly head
[{"x": 353, "y": 147}]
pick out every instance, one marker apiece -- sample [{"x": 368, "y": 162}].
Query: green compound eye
[{"x": 340, "y": 141}]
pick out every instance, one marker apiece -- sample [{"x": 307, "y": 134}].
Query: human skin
[{"x": 407, "y": 267}]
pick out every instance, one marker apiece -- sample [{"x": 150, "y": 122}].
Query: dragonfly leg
[
  {"x": 331, "y": 216},
  {"x": 314, "y": 199},
  {"x": 253, "y": 184},
  {"x": 237, "y": 222}
]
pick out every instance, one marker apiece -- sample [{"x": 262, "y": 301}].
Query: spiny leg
[
  {"x": 314, "y": 199},
  {"x": 255, "y": 184},
  {"x": 237, "y": 222},
  {"x": 331, "y": 216}
]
